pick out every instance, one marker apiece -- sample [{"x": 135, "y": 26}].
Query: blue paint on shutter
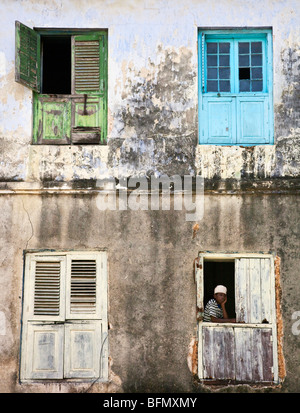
[{"x": 235, "y": 87}]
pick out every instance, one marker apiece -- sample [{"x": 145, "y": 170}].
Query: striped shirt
[{"x": 212, "y": 309}]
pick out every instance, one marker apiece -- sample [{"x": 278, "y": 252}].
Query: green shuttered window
[
  {"x": 70, "y": 92},
  {"x": 65, "y": 316},
  {"x": 235, "y": 90}
]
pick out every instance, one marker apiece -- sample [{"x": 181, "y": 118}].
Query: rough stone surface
[{"x": 48, "y": 194}]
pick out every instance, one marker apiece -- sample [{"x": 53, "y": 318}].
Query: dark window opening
[
  {"x": 56, "y": 64},
  {"x": 220, "y": 272},
  {"x": 244, "y": 73}
]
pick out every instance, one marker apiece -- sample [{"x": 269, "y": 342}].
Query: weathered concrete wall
[
  {"x": 152, "y": 130},
  {"x": 152, "y": 292},
  {"x": 152, "y": 91}
]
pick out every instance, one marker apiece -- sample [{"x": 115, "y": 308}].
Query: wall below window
[
  {"x": 230, "y": 166},
  {"x": 152, "y": 93}
]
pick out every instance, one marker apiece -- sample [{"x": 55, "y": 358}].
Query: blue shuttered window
[
  {"x": 64, "y": 333},
  {"x": 235, "y": 88}
]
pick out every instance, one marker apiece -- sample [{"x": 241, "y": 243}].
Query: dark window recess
[
  {"x": 220, "y": 272},
  {"x": 244, "y": 73},
  {"x": 56, "y": 64}
]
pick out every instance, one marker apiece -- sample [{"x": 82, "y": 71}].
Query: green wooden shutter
[
  {"x": 52, "y": 120},
  {"x": 27, "y": 64},
  {"x": 82, "y": 349},
  {"x": 89, "y": 80},
  {"x": 44, "y": 352},
  {"x": 235, "y": 91}
]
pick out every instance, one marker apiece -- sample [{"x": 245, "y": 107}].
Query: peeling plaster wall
[
  {"x": 152, "y": 130},
  {"x": 152, "y": 291},
  {"x": 152, "y": 91}
]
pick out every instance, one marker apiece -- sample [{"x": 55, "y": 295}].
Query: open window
[
  {"x": 245, "y": 351},
  {"x": 235, "y": 88},
  {"x": 216, "y": 273},
  {"x": 64, "y": 333},
  {"x": 67, "y": 71}
]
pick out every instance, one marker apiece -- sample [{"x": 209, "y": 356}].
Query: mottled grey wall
[
  {"x": 152, "y": 293},
  {"x": 252, "y": 194}
]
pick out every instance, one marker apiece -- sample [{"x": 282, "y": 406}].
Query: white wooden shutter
[
  {"x": 65, "y": 317},
  {"x": 86, "y": 300},
  {"x": 83, "y": 287},
  {"x": 218, "y": 352},
  {"x": 27, "y": 61},
  {"x": 88, "y": 80},
  {"x": 46, "y": 288},
  {"x": 199, "y": 278},
  {"x": 42, "y": 340},
  {"x": 253, "y": 290},
  {"x": 82, "y": 349},
  {"x": 253, "y": 354},
  {"x": 44, "y": 351}
]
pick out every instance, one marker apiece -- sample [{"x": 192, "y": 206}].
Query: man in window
[{"x": 215, "y": 310}]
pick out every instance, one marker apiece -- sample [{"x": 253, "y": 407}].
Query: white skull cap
[{"x": 220, "y": 289}]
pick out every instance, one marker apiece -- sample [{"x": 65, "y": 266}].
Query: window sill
[
  {"x": 236, "y": 325},
  {"x": 236, "y": 145}
]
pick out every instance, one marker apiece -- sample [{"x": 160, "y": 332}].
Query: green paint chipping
[{"x": 76, "y": 118}]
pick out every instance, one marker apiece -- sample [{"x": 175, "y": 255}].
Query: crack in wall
[{"x": 28, "y": 216}]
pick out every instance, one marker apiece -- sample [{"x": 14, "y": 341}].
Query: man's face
[{"x": 220, "y": 297}]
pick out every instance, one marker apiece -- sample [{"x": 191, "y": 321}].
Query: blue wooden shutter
[
  {"x": 253, "y": 126},
  {"x": 218, "y": 107},
  {"x": 86, "y": 315},
  {"x": 235, "y": 88},
  {"x": 254, "y": 290}
]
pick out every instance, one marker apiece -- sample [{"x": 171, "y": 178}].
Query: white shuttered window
[
  {"x": 65, "y": 316},
  {"x": 245, "y": 351}
]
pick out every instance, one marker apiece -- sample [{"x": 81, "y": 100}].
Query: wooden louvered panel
[
  {"x": 83, "y": 287},
  {"x": 47, "y": 288},
  {"x": 27, "y": 70},
  {"x": 253, "y": 290},
  {"x": 237, "y": 352},
  {"x": 87, "y": 66}
]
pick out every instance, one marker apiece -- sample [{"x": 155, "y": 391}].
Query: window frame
[
  {"x": 72, "y": 129},
  {"x": 95, "y": 324},
  {"x": 271, "y": 326},
  {"x": 234, "y": 35}
]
